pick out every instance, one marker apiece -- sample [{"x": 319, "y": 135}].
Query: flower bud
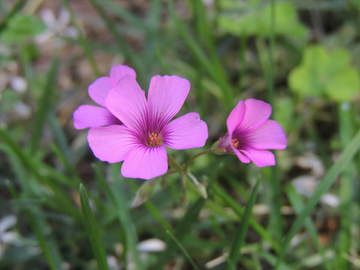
[{"x": 222, "y": 146}]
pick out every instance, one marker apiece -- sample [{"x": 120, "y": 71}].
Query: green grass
[{"x": 246, "y": 221}]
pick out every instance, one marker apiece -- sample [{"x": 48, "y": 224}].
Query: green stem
[
  {"x": 275, "y": 183},
  {"x": 347, "y": 186},
  {"x": 187, "y": 164},
  {"x": 242, "y": 50}
]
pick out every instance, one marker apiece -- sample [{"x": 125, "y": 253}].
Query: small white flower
[{"x": 56, "y": 27}]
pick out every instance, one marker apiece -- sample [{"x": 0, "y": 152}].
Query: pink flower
[
  {"x": 94, "y": 116},
  {"x": 141, "y": 141},
  {"x": 251, "y": 133}
]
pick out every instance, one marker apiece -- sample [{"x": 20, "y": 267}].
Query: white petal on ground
[{"x": 151, "y": 245}]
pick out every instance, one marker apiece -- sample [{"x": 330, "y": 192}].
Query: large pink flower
[
  {"x": 94, "y": 116},
  {"x": 250, "y": 133},
  {"x": 141, "y": 141}
]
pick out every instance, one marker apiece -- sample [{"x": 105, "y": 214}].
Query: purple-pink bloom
[
  {"x": 250, "y": 133},
  {"x": 89, "y": 116},
  {"x": 147, "y": 129}
]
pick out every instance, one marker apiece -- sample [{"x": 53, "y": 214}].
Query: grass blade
[
  {"x": 93, "y": 230},
  {"x": 19, "y": 4},
  {"x": 183, "y": 250},
  {"x": 122, "y": 209},
  {"x": 124, "y": 48},
  {"x": 181, "y": 230},
  {"x": 240, "y": 212},
  {"x": 216, "y": 73},
  {"x": 328, "y": 180},
  {"x": 83, "y": 42},
  {"x": 347, "y": 185},
  {"x": 44, "y": 105},
  {"x": 39, "y": 226},
  {"x": 242, "y": 230},
  {"x": 59, "y": 134},
  {"x": 298, "y": 205}
]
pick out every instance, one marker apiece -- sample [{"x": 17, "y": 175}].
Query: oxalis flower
[
  {"x": 250, "y": 133},
  {"x": 89, "y": 116},
  {"x": 141, "y": 141}
]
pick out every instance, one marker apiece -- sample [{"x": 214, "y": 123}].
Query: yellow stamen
[
  {"x": 154, "y": 139},
  {"x": 235, "y": 142}
]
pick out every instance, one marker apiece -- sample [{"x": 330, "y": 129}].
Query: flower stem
[
  {"x": 187, "y": 164},
  {"x": 174, "y": 164}
]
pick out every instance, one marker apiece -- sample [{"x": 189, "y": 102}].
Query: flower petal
[
  {"x": 112, "y": 143},
  {"x": 261, "y": 158},
  {"x": 145, "y": 162},
  {"x": 241, "y": 156},
  {"x": 257, "y": 112},
  {"x": 269, "y": 135},
  {"x": 119, "y": 71},
  {"x": 99, "y": 89},
  {"x": 165, "y": 98},
  {"x": 236, "y": 117},
  {"x": 127, "y": 102},
  {"x": 187, "y": 131},
  {"x": 93, "y": 116}
]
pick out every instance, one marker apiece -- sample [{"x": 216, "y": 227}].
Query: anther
[
  {"x": 235, "y": 142},
  {"x": 154, "y": 139}
]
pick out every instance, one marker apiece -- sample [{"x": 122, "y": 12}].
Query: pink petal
[
  {"x": 93, "y": 116},
  {"x": 119, "y": 71},
  {"x": 261, "y": 158},
  {"x": 236, "y": 117},
  {"x": 145, "y": 162},
  {"x": 113, "y": 143},
  {"x": 99, "y": 89},
  {"x": 165, "y": 98},
  {"x": 257, "y": 112},
  {"x": 187, "y": 131},
  {"x": 127, "y": 102},
  {"x": 269, "y": 135}
]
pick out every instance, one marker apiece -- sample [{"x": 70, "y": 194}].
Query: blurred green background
[{"x": 303, "y": 57}]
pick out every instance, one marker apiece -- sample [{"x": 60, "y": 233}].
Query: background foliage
[{"x": 60, "y": 208}]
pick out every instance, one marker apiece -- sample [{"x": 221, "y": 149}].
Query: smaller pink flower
[
  {"x": 250, "y": 134},
  {"x": 89, "y": 116}
]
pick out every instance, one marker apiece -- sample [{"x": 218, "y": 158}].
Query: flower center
[
  {"x": 154, "y": 139},
  {"x": 235, "y": 142}
]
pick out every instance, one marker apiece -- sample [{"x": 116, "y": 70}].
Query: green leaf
[
  {"x": 93, "y": 230},
  {"x": 18, "y": 6},
  {"x": 255, "y": 19},
  {"x": 340, "y": 58},
  {"x": 322, "y": 73},
  {"x": 22, "y": 27},
  {"x": 343, "y": 85},
  {"x": 284, "y": 108},
  {"x": 286, "y": 22},
  {"x": 304, "y": 82}
]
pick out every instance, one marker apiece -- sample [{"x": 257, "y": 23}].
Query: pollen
[
  {"x": 154, "y": 139},
  {"x": 235, "y": 142}
]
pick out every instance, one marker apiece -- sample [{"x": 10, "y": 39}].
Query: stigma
[
  {"x": 235, "y": 142},
  {"x": 154, "y": 139}
]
